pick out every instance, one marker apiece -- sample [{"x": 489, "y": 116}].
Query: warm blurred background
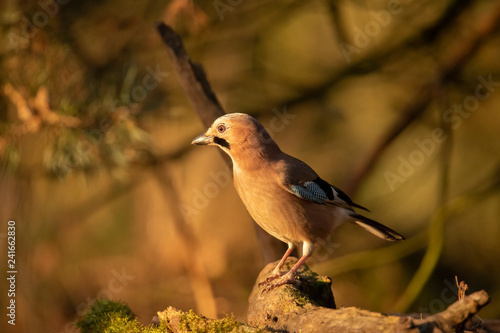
[{"x": 396, "y": 102}]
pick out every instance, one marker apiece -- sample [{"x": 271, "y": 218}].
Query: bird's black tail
[{"x": 376, "y": 228}]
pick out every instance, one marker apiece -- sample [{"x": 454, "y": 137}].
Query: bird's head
[{"x": 237, "y": 134}]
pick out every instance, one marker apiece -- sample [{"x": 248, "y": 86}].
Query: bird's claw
[
  {"x": 274, "y": 275},
  {"x": 275, "y": 281},
  {"x": 268, "y": 280}
]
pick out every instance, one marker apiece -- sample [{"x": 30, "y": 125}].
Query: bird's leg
[
  {"x": 277, "y": 270},
  {"x": 289, "y": 278}
]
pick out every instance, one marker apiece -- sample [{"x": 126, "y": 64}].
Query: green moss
[
  {"x": 299, "y": 297},
  {"x": 123, "y": 325},
  {"x": 113, "y": 317},
  {"x": 195, "y": 323},
  {"x": 100, "y": 315}
]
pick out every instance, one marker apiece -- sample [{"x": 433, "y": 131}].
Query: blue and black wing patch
[
  {"x": 310, "y": 191},
  {"x": 322, "y": 192}
]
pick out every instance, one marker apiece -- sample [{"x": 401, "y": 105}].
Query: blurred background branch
[{"x": 196, "y": 86}]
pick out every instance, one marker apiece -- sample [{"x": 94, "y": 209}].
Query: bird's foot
[
  {"x": 274, "y": 275},
  {"x": 288, "y": 278}
]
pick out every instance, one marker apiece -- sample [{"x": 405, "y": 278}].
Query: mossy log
[{"x": 309, "y": 307}]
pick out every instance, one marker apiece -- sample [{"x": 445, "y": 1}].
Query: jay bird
[{"x": 283, "y": 195}]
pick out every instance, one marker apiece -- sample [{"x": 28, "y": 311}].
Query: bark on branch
[{"x": 191, "y": 76}]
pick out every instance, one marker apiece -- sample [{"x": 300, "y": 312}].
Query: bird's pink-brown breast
[{"x": 279, "y": 212}]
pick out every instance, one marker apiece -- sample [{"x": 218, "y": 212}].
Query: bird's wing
[
  {"x": 299, "y": 179},
  {"x": 321, "y": 192}
]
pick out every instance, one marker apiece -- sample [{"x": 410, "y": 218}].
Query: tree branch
[
  {"x": 309, "y": 307},
  {"x": 194, "y": 82},
  {"x": 191, "y": 76}
]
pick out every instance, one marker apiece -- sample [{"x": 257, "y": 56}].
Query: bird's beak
[{"x": 203, "y": 139}]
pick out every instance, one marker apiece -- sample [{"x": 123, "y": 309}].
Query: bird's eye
[{"x": 221, "y": 128}]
